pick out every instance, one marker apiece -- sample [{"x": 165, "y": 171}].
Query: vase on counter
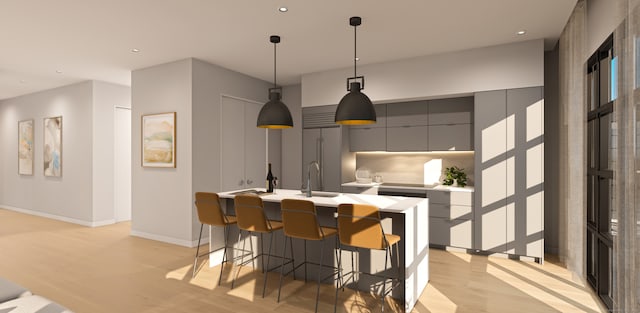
[{"x": 455, "y": 183}]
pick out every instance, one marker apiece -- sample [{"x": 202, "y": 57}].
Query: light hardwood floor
[{"x": 105, "y": 269}]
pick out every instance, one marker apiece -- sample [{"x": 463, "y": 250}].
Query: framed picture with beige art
[
  {"x": 159, "y": 140},
  {"x": 53, "y": 146},
  {"x": 25, "y": 147}
]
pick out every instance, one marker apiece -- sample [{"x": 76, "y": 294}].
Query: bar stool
[
  {"x": 210, "y": 213},
  {"x": 300, "y": 221},
  {"x": 359, "y": 226},
  {"x": 252, "y": 219}
]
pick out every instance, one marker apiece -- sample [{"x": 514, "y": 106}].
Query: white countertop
[
  {"x": 333, "y": 199},
  {"x": 391, "y": 186}
]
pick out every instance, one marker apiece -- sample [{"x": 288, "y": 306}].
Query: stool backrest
[
  {"x": 209, "y": 210},
  {"x": 250, "y": 213},
  {"x": 359, "y": 226},
  {"x": 300, "y": 220}
]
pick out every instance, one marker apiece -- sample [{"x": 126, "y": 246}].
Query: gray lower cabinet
[
  {"x": 407, "y": 138},
  {"x": 455, "y": 137},
  {"x": 451, "y": 218}
]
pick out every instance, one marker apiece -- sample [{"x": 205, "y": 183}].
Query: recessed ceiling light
[
  {"x": 357, "y": 59},
  {"x": 135, "y": 50},
  {"x": 59, "y": 71},
  {"x": 521, "y": 32},
  {"x": 283, "y": 9}
]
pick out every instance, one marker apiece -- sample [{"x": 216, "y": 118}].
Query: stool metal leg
[
  {"x": 241, "y": 259},
  {"x": 305, "y": 260},
  {"x": 335, "y": 304},
  {"x": 293, "y": 263},
  {"x": 266, "y": 270},
  {"x": 284, "y": 253},
  {"x": 224, "y": 253},
  {"x": 319, "y": 274},
  {"x": 195, "y": 262}
]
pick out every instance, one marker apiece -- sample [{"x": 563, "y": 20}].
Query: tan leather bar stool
[
  {"x": 359, "y": 226},
  {"x": 210, "y": 213},
  {"x": 300, "y": 221},
  {"x": 251, "y": 218}
]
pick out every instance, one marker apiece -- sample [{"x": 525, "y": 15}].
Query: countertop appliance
[{"x": 403, "y": 189}]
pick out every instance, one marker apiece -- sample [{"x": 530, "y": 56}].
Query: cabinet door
[
  {"x": 525, "y": 224},
  {"x": 451, "y": 111},
  {"x": 331, "y": 159},
  {"x": 367, "y": 139},
  {"x": 232, "y": 144},
  {"x": 407, "y": 114},
  {"x": 255, "y": 157},
  {"x": 490, "y": 209},
  {"x": 450, "y": 232},
  {"x": 456, "y": 137},
  {"x": 408, "y": 138}
]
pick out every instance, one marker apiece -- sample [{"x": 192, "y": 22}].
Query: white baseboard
[
  {"x": 171, "y": 240},
  {"x": 58, "y": 217}
]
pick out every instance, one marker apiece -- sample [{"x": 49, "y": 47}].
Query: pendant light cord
[
  {"x": 355, "y": 50},
  {"x": 274, "y": 66}
]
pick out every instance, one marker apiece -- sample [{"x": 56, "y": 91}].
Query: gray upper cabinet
[
  {"x": 407, "y": 114},
  {"x": 451, "y": 111},
  {"x": 456, "y": 137},
  {"x": 433, "y": 125},
  {"x": 367, "y": 139},
  {"x": 407, "y": 138}
]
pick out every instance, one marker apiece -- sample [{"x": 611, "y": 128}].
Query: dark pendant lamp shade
[
  {"x": 274, "y": 114},
  {"x": 355, "y": 108}
]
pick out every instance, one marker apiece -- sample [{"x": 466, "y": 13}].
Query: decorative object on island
[
  {"x": 53, "y": 146},
  {"x": 355, "y": 108},
  {"x": 274, "y": 114},
  {"x": 270, "y": 180},
  {"x": 25, "y": 147},
  {"x": 159, "y": 140},
  {"x": 455, "y": 176}
]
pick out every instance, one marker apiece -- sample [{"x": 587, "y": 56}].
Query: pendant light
[
  {"x": 274, "y": 114},
  {"x": 355, "y": 108}
]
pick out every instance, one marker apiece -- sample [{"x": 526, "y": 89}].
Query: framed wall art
[
  {"x": 25, "y": 147},
  {"x": 53, "y": 146},
  {"x": 159, "y": 140}
]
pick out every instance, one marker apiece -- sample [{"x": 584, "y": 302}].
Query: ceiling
[{"x": 46, "y": 44}]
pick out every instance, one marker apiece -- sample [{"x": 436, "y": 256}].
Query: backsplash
[{"x": 415, "y": 168}]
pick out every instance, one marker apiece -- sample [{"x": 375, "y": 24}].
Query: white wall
[
  {"x": 210, "y": 82},
  {"x": 292, "y": 140},
  {"x": 105, "y": 98},
  {"x": 603, "y": 17},
  {"x": 68, "y": 197},
  {"x": 506, "y": 66},
  {"x": 161, "y": 197}
]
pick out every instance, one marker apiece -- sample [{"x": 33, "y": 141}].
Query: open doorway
[{"x": 122, "y": 157}]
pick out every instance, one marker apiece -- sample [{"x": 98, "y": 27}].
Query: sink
[{"x": 325, "y": 194}]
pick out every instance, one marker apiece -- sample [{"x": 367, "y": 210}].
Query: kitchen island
[{"x": 403, "y": 216}]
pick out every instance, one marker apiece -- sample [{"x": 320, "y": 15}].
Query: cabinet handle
[
  {"x": 241, "y": 182},
  {"x": 249, "y": 181}
]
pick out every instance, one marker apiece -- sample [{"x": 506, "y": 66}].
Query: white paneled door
[
  {"x": 243, "y": 145},
  {"x": 122, "y": 165}
]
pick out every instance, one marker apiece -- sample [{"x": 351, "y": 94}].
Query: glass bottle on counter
[{"x": 269, "y": 180}]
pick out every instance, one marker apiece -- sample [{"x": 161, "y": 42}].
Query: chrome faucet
[{"x": 308, "y": 190}]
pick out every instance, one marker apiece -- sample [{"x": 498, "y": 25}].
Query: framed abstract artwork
[
  {"x": 25, "y": 147},
  {"x": 53, "y": 146},
  {"x": 159, "y": 140}
]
